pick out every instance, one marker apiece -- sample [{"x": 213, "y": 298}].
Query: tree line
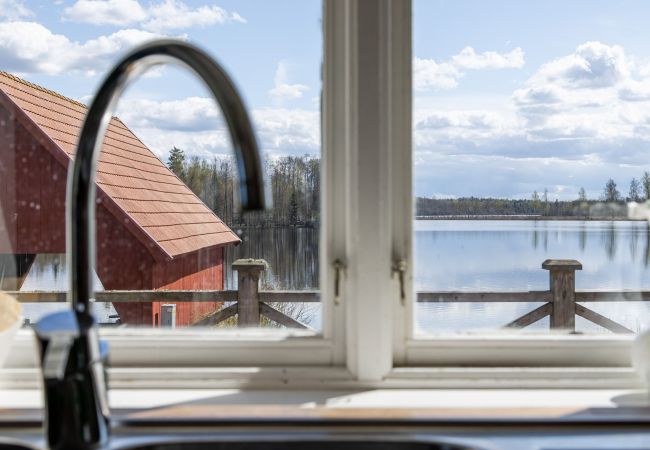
[
  {"x": 294, "y": 186},
  {"x": 295, "y": 191},
  {"x": 474, "y": 206},
  {"x": 638, "y": 191},
  {"x": 609, "y": 203}
]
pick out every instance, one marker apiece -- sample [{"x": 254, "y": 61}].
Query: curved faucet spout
[
  {"x": 81, "y": 182},
  {"x": 72, "y": 356}
]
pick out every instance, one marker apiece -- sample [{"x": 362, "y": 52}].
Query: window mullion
[
  {"x": 400, "y": 137},
  {"x": 370, "y": 100}
]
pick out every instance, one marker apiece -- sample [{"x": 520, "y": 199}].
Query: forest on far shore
[
  {"x": 471, "y": 206},
  {"x": 294, "y": 183},
  {"x": 611, "y": 203}
]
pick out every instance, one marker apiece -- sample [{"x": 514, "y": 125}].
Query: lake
[
  {"x": 474, "y": 255},
  {"x": 503, "y": 255}
]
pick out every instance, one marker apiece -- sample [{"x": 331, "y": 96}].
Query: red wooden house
[{"x": 153, "y": 232}]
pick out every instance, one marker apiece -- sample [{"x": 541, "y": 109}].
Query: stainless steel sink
[
  {"x": 310, "y": 444},
  {"x": 4, "y": 445},
  {"x": 138, "y": 434},
  {"x": 268, "y": 445}
]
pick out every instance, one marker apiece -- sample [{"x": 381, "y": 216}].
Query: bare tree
[
  {"x": 646, "y": 185},
  {"x": 635, "y": 190},
  {"x": 582, "y": 195},
  {"x": 611, "y": 193}
]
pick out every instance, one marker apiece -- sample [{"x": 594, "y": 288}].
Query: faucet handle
[
  {"x": 56, "y": 333},
  {"x": 74, "y": 385}
]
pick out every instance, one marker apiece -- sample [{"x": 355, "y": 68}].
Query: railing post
[
  {"x": 562, "y": 281},
  {"x": 248, "y": 286}
]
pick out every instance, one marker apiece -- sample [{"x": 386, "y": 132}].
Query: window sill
[
  {"x": 319, "y": 377},
  {"x": 196, "y": 348},
  {"x": 520, "y": 350},
  {"x": 146, "y": 359},
  {"x": 418, "y": 405}
]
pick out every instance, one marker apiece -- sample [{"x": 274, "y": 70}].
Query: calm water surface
[
  {"x": 455, "y": 255},
  {"x": 507, "y": 256},
  {"x": 292, "y": 254}
]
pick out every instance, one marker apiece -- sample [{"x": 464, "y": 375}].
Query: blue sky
[
  {"x": 273, "y": 50},
  {"x": 512, "y": 97},
  {"x": 509, "y": 96}
]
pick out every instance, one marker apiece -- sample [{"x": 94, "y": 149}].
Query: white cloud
[
  {"x": 175, "y": 15},
  {"x": 288, "y": 131},
  {"x": 465, "y": 175},
  {"x": 465, "y": 131},
  {"x": 470, "y": 120},
  {"x": 431, "y": 74},
  {"x": 29, "y": 47},
  {"x": 189, "y": 114},
  {"x": 282, "y": 90},
  {"x": 469, "y": 59},
  {"x": 595, "y": 93},
  {"x": 195, "y": 125},
  {"x": 428, "y": 74},
  {"x": 13, "y": 10},
  {"x": 105, "y": 12},
  {"x": 592, "y": 65},
  {"x": 578, "y": 120},
  {"x": 635, "y": 91},
  {"x": 204, "y": 144},
  {"x": 158, "y": 17}
]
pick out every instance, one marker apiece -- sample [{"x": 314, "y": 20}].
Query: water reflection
[
  {"x": 507, "y": 255},
  {"x": 292, "y": 254},
  {"x": 48, "y": 273},
  {"x": 609, "y": 239},
  {"x": 457, "y": 255}
]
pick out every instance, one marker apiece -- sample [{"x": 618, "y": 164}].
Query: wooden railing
[
  {"x": 249, "y": 303},
  {"x": 562, "y": 302}
]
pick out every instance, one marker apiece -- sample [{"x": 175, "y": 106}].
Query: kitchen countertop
[
  {"x": 402, "y": 405},
  {"x": 542, "y": 419}
]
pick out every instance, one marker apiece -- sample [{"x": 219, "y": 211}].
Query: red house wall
[
  {"x": 32, "y": 204},
  {"x": 202, "y": 270},
  {"x": 32, "y": 193}
]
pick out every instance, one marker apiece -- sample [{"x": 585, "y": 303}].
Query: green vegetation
[
  {"x": 295, "y": 190},
  {"x": 611, "y": 194},
  {"x": 294, "y": 185},
  {"x": 474, "y": 206}
]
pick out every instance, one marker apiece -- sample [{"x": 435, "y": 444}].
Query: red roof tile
[{"x": 139, "y": 183}]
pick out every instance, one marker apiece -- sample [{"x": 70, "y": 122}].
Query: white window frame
[
  {"x": 367, "y": 210},
  {"x": 601, "y": 355},
  {"x": 262, "y": 348}
]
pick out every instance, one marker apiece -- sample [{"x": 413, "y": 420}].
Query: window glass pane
[
  {"x": 168, "y": 210},
  {"x": 530, "y": 138}
]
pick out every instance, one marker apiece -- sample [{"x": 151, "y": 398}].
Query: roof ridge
[{"x": 41, "y": 88}]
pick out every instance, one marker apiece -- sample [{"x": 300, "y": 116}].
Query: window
[
  {"x": 168, "y": 216},
  {"x": 370, "y": 264},
  {"x": 526, "y": 176}
]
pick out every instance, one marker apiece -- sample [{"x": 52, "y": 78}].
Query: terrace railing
[{"x": 562, "y": 302}]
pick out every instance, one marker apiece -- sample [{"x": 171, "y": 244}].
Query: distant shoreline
[{"x": 528, "y": 217}]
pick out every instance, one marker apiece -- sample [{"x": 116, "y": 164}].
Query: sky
[
  {"x": 512, "y": 97},
  {"x": 509, "y": 96}
]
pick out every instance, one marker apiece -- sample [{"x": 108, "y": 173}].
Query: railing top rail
[
  {"x": 313, "y": 296},
  {"x": 464, "y": 296},
  {"x": 139, "y": 296},
  {"x": 600, "y": 295}
]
